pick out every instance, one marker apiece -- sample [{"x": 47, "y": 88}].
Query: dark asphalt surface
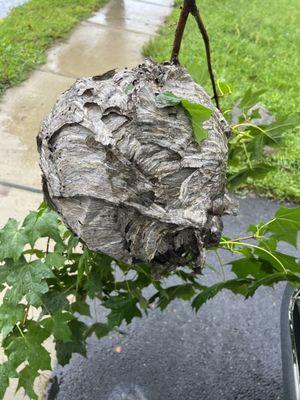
[{"x": 230, "y": 350}]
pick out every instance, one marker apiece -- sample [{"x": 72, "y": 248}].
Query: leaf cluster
[
  {"x": 48, "y": 280},
  {"x": 256, "y": 134}
]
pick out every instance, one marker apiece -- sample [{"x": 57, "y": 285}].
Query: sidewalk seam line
[
  {"x": 20, "y": 187},
  {"x": 119, "y": 29},
  {"x": 154, "y": 4},
  {"x": 49, "y": 71}
]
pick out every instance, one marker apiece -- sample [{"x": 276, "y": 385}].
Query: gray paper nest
[{"x": 125, "y": 173}]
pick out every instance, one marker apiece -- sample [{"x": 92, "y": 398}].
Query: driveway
[{"x": 230, "y": 350}]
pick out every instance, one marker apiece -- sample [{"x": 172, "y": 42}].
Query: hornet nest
[{"x": 124, "y": 172}]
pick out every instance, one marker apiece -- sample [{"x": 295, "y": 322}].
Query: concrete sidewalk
[{"x": 113, "y": 37}]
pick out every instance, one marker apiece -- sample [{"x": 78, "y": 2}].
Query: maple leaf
[
  {"x": 26, "y": 381},
  {"x": 286, "y": 224},
  {"x": 64, "y": 350},
  {"x": 196, "y": 112},
  {"x": 42, "y": 223},
  {"x": 245, "y": 267},
  {"x": 10, "y": 314},
  {"x": 29, "y": 348},
  {"x": 27, "y": 279},
  {"x": 12, "y": 241},
  {"x": 122, "y": 308},
  {"x": 57, "y": 325},
  {"x": 237, "y": 286}
]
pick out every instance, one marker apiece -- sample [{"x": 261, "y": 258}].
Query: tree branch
[
  {"x": 189, "y": 6},
  {"x": 185, "y": 10},
  {"x": 197, "y": 16}
]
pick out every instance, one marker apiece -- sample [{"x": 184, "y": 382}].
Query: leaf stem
[
  {"x": 25, "y": 315},
  {"x": 221, "y": 264},
  {"x": 47, "y": 246},
  {"x": 248, "y": 124},
  {"x": 20, "y": 330},
  {"x": 255, "y": 247}
]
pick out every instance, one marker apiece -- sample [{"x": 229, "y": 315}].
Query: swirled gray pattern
[{"x": 124, "y": 171}]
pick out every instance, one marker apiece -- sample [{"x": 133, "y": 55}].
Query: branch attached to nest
[
  {"x": 125, "y": 172},
  {"x": 190, "y": 7}
]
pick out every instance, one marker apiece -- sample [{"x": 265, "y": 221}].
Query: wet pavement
[
  {"x": 113, "y": 37},
  {"x": 230, "y": 350},
  {"x": 7, "y": 5}
]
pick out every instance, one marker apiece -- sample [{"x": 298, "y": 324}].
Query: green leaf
[
  {"x": 280, "y": 126},
  {"x": 55, "y": 259},
  {"x": 250, "y": 98},
  {"x": 168, "y": 99},
  {"x": 12, "y": 240},
  {"x": 104, "y": 264},
  {"x": 270, "y": 280},
  {"x": 94, "y": 283},
  {"x": 82, "y": 266},
  {"x": 258, "y": 171},
  {"x": 27, "y": 279},
  {"x": 7, "y": 371},
  {"x": 279, "y": 261},
  {"x": 250, "y": 267},
  {"x": 29, "y": 348},
  {"x": 223, "y": 88},
  {"x": 286, "y": 224},
  {"x": 184, "y": 292},
  {"x": 57, "y": 326},
  {"x": 54, "y": 301},
  {"x": 237, "y": 286},
  {"x": 42, "y": 223},
  {"x": 72, "y": 243},
  {"x": 10, "y": 314},
  {"x": 64, "y": 350},
  {"x": 26, "y": 381},
  {"x": 198, "y": 114},
  {"x": 81, "y": 307},
  {"x": 4, "y": 381},
  {"x": 122, "y": 308},
  {"x": 100, "y": 330}
]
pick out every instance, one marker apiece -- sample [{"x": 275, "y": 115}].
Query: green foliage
[
  {"x": 252, "y": 136},
  {"x": 250, "y": 49},
  {"x": 46, "y": 285},
  {"x": 30, "y": 29},
  {"x": 197, "y": 113}
]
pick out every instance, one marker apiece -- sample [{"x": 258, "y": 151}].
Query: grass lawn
[
  {"x": 30, "y": 29},
  {"x": 254, "y": 44}
]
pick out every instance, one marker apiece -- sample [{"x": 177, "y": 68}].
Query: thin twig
[
  {"x": 240, "y": 239},
  {"x": 25, "y": 315},
  {"x": 189, "y": 6},
  {"x": 185, "y": 10},
  {"x": 196, "y": 14},
  {"x": 47, "y": 246}
]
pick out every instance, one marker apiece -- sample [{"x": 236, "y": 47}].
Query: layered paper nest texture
[{"x": 124, "y": 171}]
